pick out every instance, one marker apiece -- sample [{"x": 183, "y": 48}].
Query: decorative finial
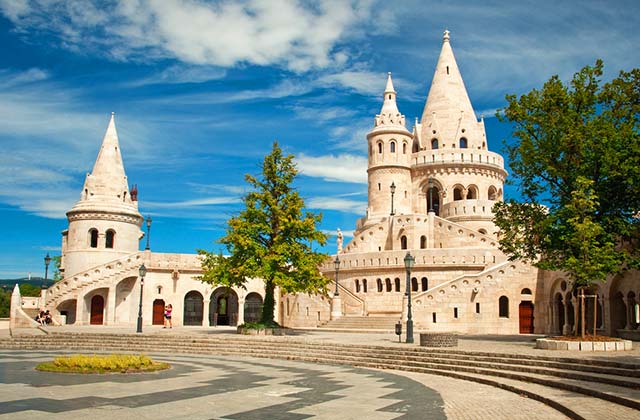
[
  {"x": 389, "y": 73},
  {"x": 445, "y": 38},
  {"x": 113, "y": 113}
]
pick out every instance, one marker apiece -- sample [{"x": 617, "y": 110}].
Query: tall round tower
[
  {"x": 461, "y": 178},
  {"x": 105, "y": 223},
  {"x": 389, "y": 170}
]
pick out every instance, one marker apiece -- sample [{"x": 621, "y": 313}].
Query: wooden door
[
  {"x": 97, "y": 310},
  {"x": 158, "y": 312},
  {"x": 526, "y": 317}
]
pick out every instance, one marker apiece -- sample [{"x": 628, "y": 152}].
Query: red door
[
  {"x": 158, "y": 312},
  {"x": 97, "y": 310},
  {"x": 526, "y": 317}
]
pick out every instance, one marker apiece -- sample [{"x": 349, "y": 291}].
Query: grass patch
[{"x": 112, "y": 363}]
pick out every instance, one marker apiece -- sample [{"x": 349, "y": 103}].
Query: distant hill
[{"x": 9, "y": 284}]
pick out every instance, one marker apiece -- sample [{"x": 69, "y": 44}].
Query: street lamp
[
  {"x": 148, "y": 231},
  {"x": 47, "y": 261},
  {"x": 393, "y": 191},
  {"x": 336, "y": 264},
  {"x": 408, "y": 265},
  {"x": 142, "y": 272},
  {"x": 430, "y": 195}
]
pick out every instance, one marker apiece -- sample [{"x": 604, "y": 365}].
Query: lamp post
[
  {"x": 336, "y": 264},
  {"x": 393, "y": 191},
  {"x": 430, "y": 195},
  {"x": 148, "y": 232},
  {"x": 142, "y": 272},
  {"x": 47, "y": 261},
  {"x": 408, "y": 265}
]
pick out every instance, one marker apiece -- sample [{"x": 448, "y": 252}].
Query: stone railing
[
  {"x": 460, "y": 156},
  {"x": 468, "y": 209}
]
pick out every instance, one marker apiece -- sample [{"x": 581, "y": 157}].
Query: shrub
[{"x": 113, "y": 363}]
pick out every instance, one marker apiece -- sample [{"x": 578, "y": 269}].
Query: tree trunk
[
  {"x": 269, "y": 303},
  {"x": 582, "y": 326}
]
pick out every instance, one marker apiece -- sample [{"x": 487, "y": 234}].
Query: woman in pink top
[{"x": 167, "y": 316}]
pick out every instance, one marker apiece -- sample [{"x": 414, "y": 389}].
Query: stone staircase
[
  {"x": 102, "y": 275},
  {"x": 362, "y": 323},
  {"x": 579, "y": 388}
]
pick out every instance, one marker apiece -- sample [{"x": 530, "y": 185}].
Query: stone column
[
  {"x": 16, "y": 304},
  {"x": 111, "y": 306},
  {"x": 80, "y": 310},
  {"x": 241, "y": 311},
  {"x": 336, "y": 307},
  {"x": 552, "y": 325},
  {"x": 431, "y": 235},
  {"x": 205, "y": 312},
  {"x": 627, "y": 312},
  {"x": 576, "y": 312},
  {"x": 566, "y": 328}
]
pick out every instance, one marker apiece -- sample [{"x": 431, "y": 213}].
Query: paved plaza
[{"x": 222, "y": 387}]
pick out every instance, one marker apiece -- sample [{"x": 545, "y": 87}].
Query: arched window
[
  {"x": 404, "y": 148},
  {"x": 397, "y": 284},
  {"x": 380, "y": 147},
  {"x": 434, "y": 143},
  {"x": 414, "y": 284},
  {"x": 357, "y": 286},
  {"x": 493, "y": 194},
  {"x": 483, "y": 231},
  {"x": 472, "y": 193},
  {"x": 392, "y": 147},
  {"x": 387, "y": 283},
  {"x": 425, "y": 284},
  {"x": 93, "y": 238},
  {"x": 525, "y": 291},
  {"x": 503, "y": 307},
  {"x": 364, "y": 285},
  {"x": 110, "y": 238},
  {"x": 423, "y": 242},
  {"x": 457, "y": 194},
  {"x": 403, "y": 242},
  {"x": 379, "y": 284},
  {"x": 463, "y": 143}
]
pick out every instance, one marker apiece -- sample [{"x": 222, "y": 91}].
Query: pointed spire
[
  {"x": 448, "y": 110},
  {"x": 107, "y": 186},
  {"x": 390, "y": 116}
]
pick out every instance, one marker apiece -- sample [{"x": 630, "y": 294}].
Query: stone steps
[
  {"x": 612, "y": 383},
  {"x": 371, "y": 323}
]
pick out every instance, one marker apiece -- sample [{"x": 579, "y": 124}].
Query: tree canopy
[
  {"x": 273, "y": 238},
  {"x": 576, "y": 162}
]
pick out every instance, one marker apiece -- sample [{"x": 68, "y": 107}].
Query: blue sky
[{"x": 202, "y": 89}]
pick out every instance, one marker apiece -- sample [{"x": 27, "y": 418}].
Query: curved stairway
[{"x": 560, "y": 382}]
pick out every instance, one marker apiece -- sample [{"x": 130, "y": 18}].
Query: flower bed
[{"x": 113, "y": 363}]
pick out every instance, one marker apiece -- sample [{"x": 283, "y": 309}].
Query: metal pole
[
  {"x": 595, "y": 314},
  {"x": 409, "y": 318},
  {"x": 393, "y": 191},
  {"x": 47, "y": 260},
  {"x": 430, "y": 195},
  {"x": 139, "y": 329},
  {"x": 148, "y": 232},
  {"x": 337, "y": 264},
  {"x": 582, "y": 312}
]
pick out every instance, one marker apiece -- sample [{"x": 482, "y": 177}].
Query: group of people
[{"x": 44, "y": 318}]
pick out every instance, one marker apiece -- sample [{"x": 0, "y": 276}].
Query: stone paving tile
[{"x": 202, "y": 388}]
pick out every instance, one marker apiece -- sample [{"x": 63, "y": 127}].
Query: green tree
[
  {"x": 576, "y": 162},
  {"x": 30, "y": 290},
  {"x": 57, "y": 261},
  {"x": 5, "y": 303},
  {"x": 271, "y": 239}
]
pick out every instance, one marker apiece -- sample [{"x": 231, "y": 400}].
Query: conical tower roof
[
  {"x": 448, "y": 110},
  {"x": 106, "y": 188},
  {"x": 390, "y": 117}
]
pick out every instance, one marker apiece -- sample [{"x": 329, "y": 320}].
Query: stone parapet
[{"x": 551, "y": 344}]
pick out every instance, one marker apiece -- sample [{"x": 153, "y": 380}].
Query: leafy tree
[
  {"x": 57, "y": 261},
  {"x": 5, "y": 303},
  {"x": 271, "y": 238},
  {"x": 30, "y": 290},
  {"x": 576, "y": 163}
]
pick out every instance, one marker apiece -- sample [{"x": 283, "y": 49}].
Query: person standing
[{"x": 167, "y": 316}]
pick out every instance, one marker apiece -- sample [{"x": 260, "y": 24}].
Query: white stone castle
[{"x": 431, "y": 192}]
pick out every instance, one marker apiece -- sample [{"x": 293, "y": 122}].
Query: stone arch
[
  {"x": 252, "y": 307},
  {"x": 503, "y": 307},
  {"x": 97, "y": 309},
  {"x": 109, "y": 239},
  {"x": 433, "y": 194},
  {"x": 223, "y": 307},
  {"x": 472, "y": 192},
  {"x": 434, "y": 144},
  {"x": 458, "y": 192},
  {"x": 464, "y": 143},
  {"x": 193, "y": 308},
  {"x": 492, "y": 193}
]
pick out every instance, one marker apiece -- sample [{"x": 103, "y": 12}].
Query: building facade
[{"x": 430, "y": 193}]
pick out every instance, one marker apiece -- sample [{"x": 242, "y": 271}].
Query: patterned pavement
[{"x": 213, "y": 387}]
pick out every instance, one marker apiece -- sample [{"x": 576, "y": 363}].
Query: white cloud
[
  {"x": 337, "y": 204},
  {"x": 195, "y": 203},
  {"x": 286, "y": 33},
  {"x": 339, "y": 168},
  {"x": 334, "y": 233},
  {"x": 177, "y": 74}
]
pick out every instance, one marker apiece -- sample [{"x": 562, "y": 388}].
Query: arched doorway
[
  {"x": 97, "y": 310},
  {"x": 559, "y": 312},
  {"x": 223, "y": 307},
  {"x": 526, "y": 317},
  {"x": 252, "y": 307},
  {"x": 158, "y": 312},
  {"x": 193, "y": 304}
]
